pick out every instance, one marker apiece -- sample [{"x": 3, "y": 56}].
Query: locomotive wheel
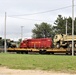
[
  {"x": 42, "y": 52},
  {"x": 26, "y": 52}
]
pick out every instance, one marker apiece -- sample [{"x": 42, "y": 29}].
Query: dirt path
[{"x": 6, "y": 71}]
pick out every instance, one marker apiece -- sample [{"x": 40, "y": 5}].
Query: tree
[
  {"x": 42, "y": 30},
  {"x": 60, "y": 25}
]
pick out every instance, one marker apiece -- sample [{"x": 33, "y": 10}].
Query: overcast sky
[{"x": 24, "y": 13}]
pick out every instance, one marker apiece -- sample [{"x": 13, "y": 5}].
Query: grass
[{"x": 42, "y": 62}]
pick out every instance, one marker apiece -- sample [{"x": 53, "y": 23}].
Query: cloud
[{"x": 21, "y": 7}]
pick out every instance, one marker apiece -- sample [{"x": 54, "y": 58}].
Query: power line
[
  {"x": 16, "y": 16},
  {"x": 44, "y": 11},
  {"x": 30, "y": 19}
]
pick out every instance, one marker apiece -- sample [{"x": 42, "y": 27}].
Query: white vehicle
[{"x": 62, "y": 40}]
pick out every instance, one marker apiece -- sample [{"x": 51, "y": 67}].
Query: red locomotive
[{"x": 36, "y": 43}]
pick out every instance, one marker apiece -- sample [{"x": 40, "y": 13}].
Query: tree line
[{"x": 44, "y": 30}]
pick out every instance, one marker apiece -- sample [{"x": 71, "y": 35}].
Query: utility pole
[
  {"x": 72, "y": 27},
  {"x": 5, "y": 45},
  {"x": 22, "y": 32},
  {"x": 66, "y": 26}
]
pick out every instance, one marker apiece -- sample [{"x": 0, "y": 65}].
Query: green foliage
[
  {"x": 75, "y": 26},
  {"x": 60, "y": 25},
  {"x": 47, "y": 30},
  {"x": 1, "y": 42},
  {"x": 42, "y": 30},
  {"x": 42, "y": 62}
]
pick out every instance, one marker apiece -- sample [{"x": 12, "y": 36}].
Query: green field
[{"x": 41, "y": 62}]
